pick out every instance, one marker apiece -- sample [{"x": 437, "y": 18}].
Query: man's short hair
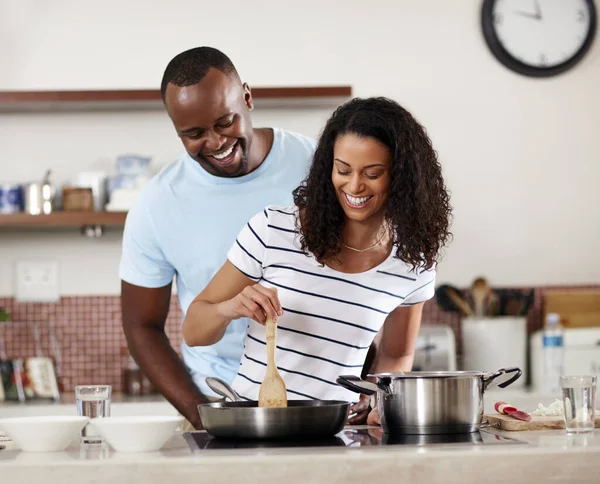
[{"x": 191, "y": 66}]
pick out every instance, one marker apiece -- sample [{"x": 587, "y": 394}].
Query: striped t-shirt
[{"x": 330, "y": 318}]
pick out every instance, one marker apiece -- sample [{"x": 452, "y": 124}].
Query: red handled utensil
[{"x": 505, "y": 408}]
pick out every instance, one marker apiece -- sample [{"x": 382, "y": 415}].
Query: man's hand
[
  {"x": 144, "y": 315},
  {"x": 357, "y": 414}
]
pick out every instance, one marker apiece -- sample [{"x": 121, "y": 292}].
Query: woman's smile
[{"x": 357, "y": 202}]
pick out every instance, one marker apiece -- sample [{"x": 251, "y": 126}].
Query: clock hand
[
  {"x": 527, "y": 14},
  {"x": 538, "y": 10}
]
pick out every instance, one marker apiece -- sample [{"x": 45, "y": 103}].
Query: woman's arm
[
  {"x": 229, "y": 295},
  {"x": 396, "y": 350}
]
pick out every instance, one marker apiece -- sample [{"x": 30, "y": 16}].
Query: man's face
[{"x": 212, "y": 118}]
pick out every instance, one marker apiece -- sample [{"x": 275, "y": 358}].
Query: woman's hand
[
  {"x": 373, "y": 418},
  {"x": 357, "y": 413},
  {"x": 255, "y": 302}
]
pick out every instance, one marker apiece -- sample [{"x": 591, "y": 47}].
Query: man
[{"x": 189, "y": 214}]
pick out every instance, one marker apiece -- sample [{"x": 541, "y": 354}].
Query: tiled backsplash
[
  {"x": 90, "y": 337},
  {"x": 88, "y": 332}
]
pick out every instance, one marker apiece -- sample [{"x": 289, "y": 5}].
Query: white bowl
[
  {"x": 44, "y": 434},
  {"x": 137, "y": 434}
]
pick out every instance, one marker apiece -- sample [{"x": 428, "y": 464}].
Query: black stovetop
[{"x": 362, "y": 437}]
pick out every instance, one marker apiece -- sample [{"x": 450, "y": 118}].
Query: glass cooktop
[{"x": 361, "y": 437}]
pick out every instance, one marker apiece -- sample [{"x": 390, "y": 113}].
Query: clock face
[{"x": 539, "y": 37}]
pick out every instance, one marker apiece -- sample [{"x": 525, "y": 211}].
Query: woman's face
[{"x": 361, "y": 175}]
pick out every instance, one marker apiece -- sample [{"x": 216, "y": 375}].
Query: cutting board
[
  {"x": 577, "y": 309},
  {"x": 507, "y": 422}
]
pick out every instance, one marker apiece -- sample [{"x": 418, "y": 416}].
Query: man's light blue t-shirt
[{"x": 184, "y": 222}]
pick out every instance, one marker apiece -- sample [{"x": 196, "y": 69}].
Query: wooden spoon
[
  {"x": 479, "y": 291},
  {"x": 272, "y": 391},
  {"x": 459, "y": 302}
]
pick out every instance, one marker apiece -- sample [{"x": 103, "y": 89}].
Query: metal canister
[{"x": 39, "y": 196}]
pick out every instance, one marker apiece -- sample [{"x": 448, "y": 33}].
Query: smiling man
[{"x": 189, "y": 214}]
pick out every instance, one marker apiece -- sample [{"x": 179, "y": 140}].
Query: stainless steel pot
[
  {"x": 246, "y": 420},
  {"x": 430, "y": 402}
]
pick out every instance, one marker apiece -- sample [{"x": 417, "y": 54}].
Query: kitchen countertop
[
  {"x": 543, "y": 456},
  {"x": 549, "y": 455}
]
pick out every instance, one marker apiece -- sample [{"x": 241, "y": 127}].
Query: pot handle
[
  {"x": 357, "y": 384},
  {"x": 490, "y": 377}
]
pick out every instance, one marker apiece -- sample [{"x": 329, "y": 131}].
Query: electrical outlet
[{"x": 36, "y": 281}]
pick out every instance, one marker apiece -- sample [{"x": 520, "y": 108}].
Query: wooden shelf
[
  {"x": 36, "y": 101},
  {"x": 63, "y": 219}
]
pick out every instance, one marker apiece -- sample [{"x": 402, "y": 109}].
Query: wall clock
[{"x": 539, "y": 38}]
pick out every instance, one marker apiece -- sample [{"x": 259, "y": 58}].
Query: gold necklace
[{"x": 368, "y": 248}]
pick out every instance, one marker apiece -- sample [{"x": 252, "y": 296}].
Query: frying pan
[{"x": 246, "y": 420}]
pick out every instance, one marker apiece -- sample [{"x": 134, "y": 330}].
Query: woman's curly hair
[{"x": 418, "y": 205}]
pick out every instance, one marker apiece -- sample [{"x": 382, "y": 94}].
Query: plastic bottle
[{"x": 553, "y": 347}]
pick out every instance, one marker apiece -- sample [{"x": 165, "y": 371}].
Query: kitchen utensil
[
  {"x": 450, "y": 299},
  {"x": 137, "y": 433},
  {"x": 272, "y": 391},
  {"x": 506, "y": 422},
  {"x": 246, "y": 420},
  {"x": 506, "y": 409},
  {"x": 443, "y": 299},
  {"x": 480, "y": 292},
  {"x": 434, "y": 402},
  {"x": 43, "y": 434},
  {"x": 515, "y": 302},
  {"x": 221, "y": 388}
]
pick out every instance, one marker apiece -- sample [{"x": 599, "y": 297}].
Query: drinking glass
[
  {"x": 579, "y": 399},
  {"x": 93, "y": 401}
]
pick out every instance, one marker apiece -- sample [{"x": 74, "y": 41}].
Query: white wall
[{"x": 519, "y": 154}]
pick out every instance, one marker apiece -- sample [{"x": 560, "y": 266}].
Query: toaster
[{"x": 435, "y": 349}]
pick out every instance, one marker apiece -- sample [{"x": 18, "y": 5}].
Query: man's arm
[{"x": 144, "y": 312}]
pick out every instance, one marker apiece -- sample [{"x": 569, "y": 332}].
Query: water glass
[
  {"x": 93, "y": 401},
  {"x": 579, "y": 399}
]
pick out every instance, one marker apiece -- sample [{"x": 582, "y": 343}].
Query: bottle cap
[{"x": 552, "y": 318}]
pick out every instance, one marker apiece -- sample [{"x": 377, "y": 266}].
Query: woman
[{"x": 357, "y": 252}]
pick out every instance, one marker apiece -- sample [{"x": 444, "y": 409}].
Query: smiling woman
[
  {"x": 356, "y": 253},
  {"x": 374, "y": 170}
]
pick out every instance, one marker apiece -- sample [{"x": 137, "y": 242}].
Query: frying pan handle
[
  {"x": 220, "y": 387},
  {"x": 489, "y": 378},
  {"x": 358, "y": 385}
]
